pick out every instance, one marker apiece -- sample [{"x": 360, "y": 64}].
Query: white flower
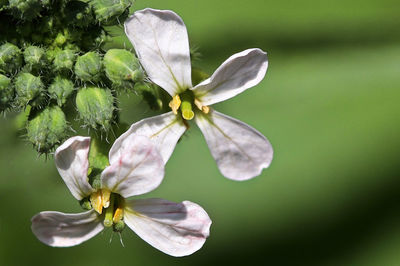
[
  {"x": 161, "y": 43},
  {"x": 136, "y": 167}
]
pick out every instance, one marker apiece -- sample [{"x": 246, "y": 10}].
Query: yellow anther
[
  {"x": 105, "y": 197},
  {"x": 96, "y": 201},
  {"x": 175, "y": 103},
  {"x": 205, "y": 109},
  {"x": 118, "y": 215}
]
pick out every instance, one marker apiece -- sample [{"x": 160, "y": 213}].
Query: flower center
[
  {"x": 113, "y": 205},
  {"x": 184, "y": 102}
]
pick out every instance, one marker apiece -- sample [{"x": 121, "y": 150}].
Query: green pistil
[
  {"x": 186, "y": 106},
  {"x": 108, "y": 219}
]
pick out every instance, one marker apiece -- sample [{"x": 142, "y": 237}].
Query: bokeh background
[{"x": 329, "y": 105}]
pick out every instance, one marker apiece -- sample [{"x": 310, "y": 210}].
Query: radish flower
[
  {"x": 136, "y": 167},
  {"x": 161, "y": 43}
]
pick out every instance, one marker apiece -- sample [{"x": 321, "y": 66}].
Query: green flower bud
[
  {"x": 10, "y": 58},
  {"x": 60, "y": 39},
  {"x": 29, "y": 90},
  {"x": 122, "y": 68},
  {"x": 88, "y": 67},
  {"x": 118, "y": 227},
  {"x": 95, "y": 177},
  {"x": 95, "y": 106},
  {"x": 64, "y": 60},
  {"x": 108, "y": 11},
  {"x": 6, "y": 93},
  {"x": 85, "y": 203},
  {"x": 47, "y": 129},
  {"x": 25, "y": 9},
  {"x": 78, "y": 13},
  {"x": 102, "y": 38},
  {"x": 60, "y": 89},
  {"x": 51, "y": 54},
  {"x": 35, "y": 56}
]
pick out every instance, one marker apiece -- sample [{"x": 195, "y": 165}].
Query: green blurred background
[{"x": 329, "y": 105}]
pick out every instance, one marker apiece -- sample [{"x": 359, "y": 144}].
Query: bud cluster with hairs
[{"x": 53, "y": 62}]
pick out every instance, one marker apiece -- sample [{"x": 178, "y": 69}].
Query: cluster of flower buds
[{"x": 53, "y": 62}]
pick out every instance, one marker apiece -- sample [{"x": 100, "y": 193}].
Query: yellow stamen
[
  {"x": 105, "y": 197},
  {"x": 118, "y": 215},
  {"x": 96, "y": 201},
  {"x": 205, "y": 109},
  {"x": 175, "y": 103}
]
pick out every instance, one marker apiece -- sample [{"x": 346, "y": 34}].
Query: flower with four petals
[
  {"x": 136, "y": 167},
  {"x": 161, "y": 42}
]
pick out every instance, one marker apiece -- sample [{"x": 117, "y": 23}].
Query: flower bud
[
  {"x": 108, "y": 12},
  {"x": 95, "y": 106},
  {"x": 25, "y": 9},
  {"x": 60, "y": 89},
  {"x": 119, "y": 227},
  {"x": 64, "y": 60},
  {"x": 85, "y": 203},
  {"x": 60, "y": 39},
  {"x": 6, "y": 93},
  {"x": 29, "y": 90},
  {"x": 51, "y": 54},
  {"x": 122, "y": 68},
  {"x": 35, "y": 57},
  {"x": 10, "y": 58},
  {"x": 88, "y": 67},
  {"x": 47, "y": 128}
]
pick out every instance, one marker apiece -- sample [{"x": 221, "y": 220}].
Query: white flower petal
[
  {"x": 177, "y": 229},
  {"x": 137, "y": 169},
  {"x": 238, "y": 73},
  {"x": 59, "y": 229},
  {"x": 72, "y": 163},
  {"x": 161, "y": 43},
  {"x": 164, "y": 130},
  {"x": 241, "y": 152}
]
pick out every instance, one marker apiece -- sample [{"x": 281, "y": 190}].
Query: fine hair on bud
[
  {"x": 35, "y": 57},
  {"x": 29, "y": 89},
  {"x": 47, "y": 128},
  {"x": 64, "y": 60},
  {"x": 6, "y": 93},
  {"x": 95, "y": 107},
  {"x": 111, "y": 12},
  {"x": 88, "y": 67},
  {"x": 26, "y": 9},
  {"x": 61, "y": 89},
  {"x": 122, "y": 68},
  {"x": 10, "y": 58}
]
